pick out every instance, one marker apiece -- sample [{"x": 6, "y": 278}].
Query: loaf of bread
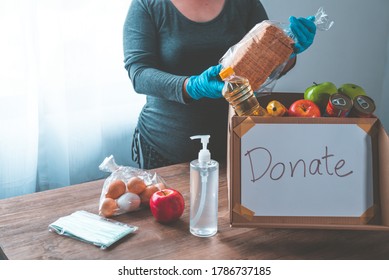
[{"x": 260, "y": 52}]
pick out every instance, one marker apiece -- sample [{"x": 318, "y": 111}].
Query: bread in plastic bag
[
  {"x": 261, "y": 55},
  {"x": 127, "y": 189}
]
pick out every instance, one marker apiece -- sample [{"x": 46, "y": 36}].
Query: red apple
[
  {"x": 167, "y": 205},
  {"x": 304, "y": 108}
]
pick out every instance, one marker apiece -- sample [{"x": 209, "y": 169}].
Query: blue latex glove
[
  {"x": 206, "y": 84},
  {"x": 304, "y": 30}
]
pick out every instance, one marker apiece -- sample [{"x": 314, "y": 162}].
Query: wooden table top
[{"x": 24, "y": 231}]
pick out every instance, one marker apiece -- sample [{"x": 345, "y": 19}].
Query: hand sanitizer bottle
[{"x": 204, "y": 185}]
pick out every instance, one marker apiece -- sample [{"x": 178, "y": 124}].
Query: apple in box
[
  {"x": 304, "y": 108},
  {"x": 351, "y": 90},
  {"x": 320, "y": 93},
  {"x": 167, "y": 205},
  {"x": 276, "y": 109}
]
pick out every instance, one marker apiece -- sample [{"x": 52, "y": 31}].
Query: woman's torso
[{"x": 186, "y": 47}]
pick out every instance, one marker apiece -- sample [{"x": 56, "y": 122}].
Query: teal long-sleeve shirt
[{"x": 161, "y": 49}]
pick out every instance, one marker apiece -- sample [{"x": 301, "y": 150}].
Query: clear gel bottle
[{"x": 204, "y": 185}]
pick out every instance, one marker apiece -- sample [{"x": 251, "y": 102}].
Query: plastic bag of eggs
[{"x": 121, "y": 196}]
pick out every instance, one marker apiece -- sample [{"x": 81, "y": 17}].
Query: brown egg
[
  {"x": 136, "y": 185},
  {"x": 148, "y": 192},
  {"x": 108, "y": 207},
  {"x": 115, "y": 189}
]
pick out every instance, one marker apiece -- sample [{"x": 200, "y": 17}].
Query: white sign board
[{"x": 306, "y": 170}]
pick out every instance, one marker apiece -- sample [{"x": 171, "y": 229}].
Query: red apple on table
[
  {"x": 167, "y": 205},
  {"x": 304, "y": 108}
]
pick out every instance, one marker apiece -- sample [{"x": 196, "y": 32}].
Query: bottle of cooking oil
[{"x": 237, "y": 91}]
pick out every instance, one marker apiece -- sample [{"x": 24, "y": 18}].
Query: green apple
[
  {"x": 320, "y": 93},
  {"x": 351, "y": 90}
]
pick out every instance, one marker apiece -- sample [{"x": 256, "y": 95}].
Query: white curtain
[{"x": 65, "y": 98}]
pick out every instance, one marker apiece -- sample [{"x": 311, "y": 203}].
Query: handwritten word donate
[{"x": 261, "y": 162}]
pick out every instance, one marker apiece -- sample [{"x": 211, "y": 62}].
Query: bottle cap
[
  {"x": 226, "y": 72},
  {"x": 204, "y": 154}
]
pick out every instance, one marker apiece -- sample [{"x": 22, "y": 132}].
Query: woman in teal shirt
[{"x": 171, "y": 52}]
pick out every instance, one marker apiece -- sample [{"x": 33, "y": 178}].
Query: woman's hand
[
  {"x": 207, "y": 84},
  {"x": 304, "y": 30}
]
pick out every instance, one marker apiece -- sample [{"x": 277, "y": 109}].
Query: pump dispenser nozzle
[{"x": 204, "y": 154}]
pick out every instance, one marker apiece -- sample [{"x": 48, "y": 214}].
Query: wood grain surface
[{"x": 24, "y": 231}]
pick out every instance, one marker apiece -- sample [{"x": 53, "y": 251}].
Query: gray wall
[{"x": 354, "y": 50}]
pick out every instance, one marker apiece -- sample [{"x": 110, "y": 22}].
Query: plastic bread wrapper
[
  {"x": 126, "y": 202},
  {"x": 91, "y": 228},
  {"x": 322, "y": 22}
]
